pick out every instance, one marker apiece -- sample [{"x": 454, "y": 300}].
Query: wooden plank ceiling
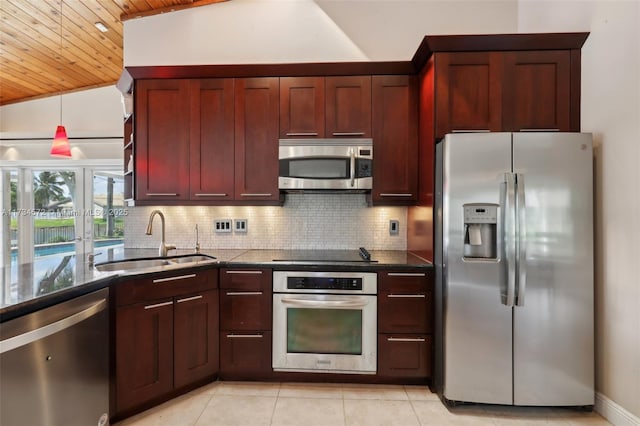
[{"x": 48, "y": 47}]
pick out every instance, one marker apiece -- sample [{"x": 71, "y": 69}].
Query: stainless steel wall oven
[{"x": 325, "y": 321}]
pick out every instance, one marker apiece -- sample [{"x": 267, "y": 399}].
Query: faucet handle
[{"x": 91, "y": 257}]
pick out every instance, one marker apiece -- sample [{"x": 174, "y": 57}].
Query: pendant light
[{"x": 60, "y": 146}]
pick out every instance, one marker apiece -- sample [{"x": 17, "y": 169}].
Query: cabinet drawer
[
  {"x": 404, "y": 312},
  {"x": 165, "y": 285},
  {"x": 245, "y": 354},
  {"x": 245, "y": 310},
  {"x": 405, "y": 281},
  {"x": 404, "y": 355},
  {"x": 246, "y": 279}
]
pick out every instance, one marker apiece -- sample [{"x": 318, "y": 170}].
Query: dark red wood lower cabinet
[
  {"x": 404, "y": 355},
  {"x": 196, "y": 347},
  {"x": 144, "y": 353},
  {"x": 245, "y": 354}
]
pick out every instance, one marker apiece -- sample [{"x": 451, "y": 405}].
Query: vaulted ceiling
[{"x": 49, "y": 47}]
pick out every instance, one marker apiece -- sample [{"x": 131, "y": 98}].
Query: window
[{"x": 51, "y": 214}]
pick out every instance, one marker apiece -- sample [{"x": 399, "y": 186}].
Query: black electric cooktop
[{"x": 332, "y": 256}]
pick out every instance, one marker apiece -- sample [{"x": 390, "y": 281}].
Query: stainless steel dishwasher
[{"x": 54, "y": 365}]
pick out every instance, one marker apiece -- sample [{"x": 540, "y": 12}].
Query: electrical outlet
[
  {"x": 240, "y": 225},
  {"x": 394, "y": 227},
  {"x": 222, "y": 225}
]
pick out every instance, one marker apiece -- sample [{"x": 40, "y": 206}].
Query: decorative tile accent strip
[{"x": 306, "y": 221}]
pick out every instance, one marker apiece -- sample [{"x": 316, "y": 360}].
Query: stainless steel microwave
[{"x": 325, "y": 164}]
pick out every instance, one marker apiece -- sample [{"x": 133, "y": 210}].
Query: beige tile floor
[{"x": 306, "y": 404}]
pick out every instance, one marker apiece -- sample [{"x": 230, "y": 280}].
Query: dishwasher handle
[{"x": 49, "y": 329}]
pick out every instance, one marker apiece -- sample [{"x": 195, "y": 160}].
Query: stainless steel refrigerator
[{"x": 514, "y": 269}]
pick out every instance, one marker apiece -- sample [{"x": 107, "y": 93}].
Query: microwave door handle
[{"x": 353, "y": 166}]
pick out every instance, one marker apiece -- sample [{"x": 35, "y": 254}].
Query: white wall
[
  {"x": 97, "y": 112},
  {"x": 27, "y": 128},
  {"x": 611, "y": 110},
  {"x": 280, "y": 31}
]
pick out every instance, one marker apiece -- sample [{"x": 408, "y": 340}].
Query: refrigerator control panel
[{"x": 480, "y": 213}]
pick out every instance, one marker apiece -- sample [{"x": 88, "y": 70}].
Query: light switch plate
[
  {"x": 394, "y": 227},
  {"x": 222, "y": 226},
  {"x": 240, "y": 225}
]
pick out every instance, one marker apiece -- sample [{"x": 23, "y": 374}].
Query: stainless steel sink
[
  {"x": 135, "y": 264},
  {"x": 195, "y": 258},
  {"x": 128, "y": 265}
]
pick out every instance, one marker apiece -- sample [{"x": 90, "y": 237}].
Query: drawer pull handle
[
  {"x": 188, "y": 299},
  {"x": 180, "y": 277},
  {"x": 392, "y": 194},
  {"x": 405, "y": 339},
  {"x": 255, "y": 195},
  {"x": 158, "y": 305},
  {"x": 244, "y": 336},
  {"x": 302, "y": 134},
  {"x": 161, "y": 194},
  {"x": 407, "y": 274},
  {"x": 245, "y": 272},
  {"x": 244, "y": 293},
  {"x": 407, "y": 296},
  {"x": 348, "y": 133},
  {"x": 211, "y": 195}
]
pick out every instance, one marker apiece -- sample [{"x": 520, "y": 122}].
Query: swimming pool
[{"x": 60, "y": 248}]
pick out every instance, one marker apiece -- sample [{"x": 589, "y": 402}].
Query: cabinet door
[
  {"x": 144, "y": 353},
  {"x": 395, "y": 139},
  {"x": 212, "y": 140},
  {"x": 468, "y": 92},
  {"x": 245, "y": 355},
  {"x": 348, "y": 106},
  {"x": 302, "y": 107},
  {"x": 196, "y": 328},
  {"x": 404, "y": 355},
  {"x": 256, "y": 139},
  {"x": 162, "y": 140},
  {"x": 536, "y": 90}
]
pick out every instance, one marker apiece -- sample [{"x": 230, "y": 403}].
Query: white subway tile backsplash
[{"x": 306, "y": 221}]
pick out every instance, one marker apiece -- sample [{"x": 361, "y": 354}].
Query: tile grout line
[
  {"x": 275, "y": 404},
  {"x": 203, "y": 408}
]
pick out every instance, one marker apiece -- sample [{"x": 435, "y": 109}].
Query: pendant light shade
[{"x": 60, "y": 146}]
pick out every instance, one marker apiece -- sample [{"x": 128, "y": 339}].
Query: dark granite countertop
[{"x": 47, "y": 281}]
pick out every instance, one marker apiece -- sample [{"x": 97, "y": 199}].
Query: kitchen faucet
[
  {"x": 164, "y": 248},
  {"x": 197, "y": 240}
]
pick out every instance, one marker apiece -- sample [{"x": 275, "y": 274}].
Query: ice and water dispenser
[{"x": 480, "y": 222}]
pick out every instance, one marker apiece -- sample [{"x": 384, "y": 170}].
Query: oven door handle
[{"x": 358, "y": 303}]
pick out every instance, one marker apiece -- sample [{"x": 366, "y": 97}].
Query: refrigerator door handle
[
  {"x": 508, "y": 219},
  {"x": 521, "y": 259}
]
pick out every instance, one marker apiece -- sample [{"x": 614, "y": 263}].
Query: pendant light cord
[{"x": 60, "y": 69}]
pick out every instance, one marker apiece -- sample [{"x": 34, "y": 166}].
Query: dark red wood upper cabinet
[
  {"x": 302, "y": 107},
  {"x": 348, "y": 106},
  {"x": 508, "y": 91},
  {"x": 467, "y": 92},
  {"x": 536, "y": 90},
  {"x": 395, "y": 139},
  {"x": 256, "y": 139},
  {"x": 212, "y": 139},
  {"x": 162, "y": 140}
]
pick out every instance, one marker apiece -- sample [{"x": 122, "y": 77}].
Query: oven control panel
[{"x": 323, "y": 283}]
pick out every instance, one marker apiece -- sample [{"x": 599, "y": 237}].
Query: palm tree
[{"x": 47, "y": 188}]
